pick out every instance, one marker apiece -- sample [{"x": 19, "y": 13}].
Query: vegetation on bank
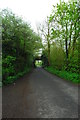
[
  {"x": 11, "y": 79},
  {"x": 74, "y": 77},
  {"x": 61, "y": 36},
  {"x": 19, "y": 46},
  {"x": 60, "y": 49}
]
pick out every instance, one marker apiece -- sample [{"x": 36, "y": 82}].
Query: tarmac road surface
[{"x": 40, "y": 95}]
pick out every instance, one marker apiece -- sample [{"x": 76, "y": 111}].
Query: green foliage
[
  {"x": 64, "y": 51},
  {"x": 11, "y": 79},
  {"x": 74, "y": 77},
  {"x": 65, "y": 55},
  {"x": 44, "y": 58},
  {"x": 19, "y": 44},
  {"x": 38, "y": 63},
  {"x": 8, "y": 66},
  {"x": 57, "y": 57},
  {"x": 73, "y": 65}
]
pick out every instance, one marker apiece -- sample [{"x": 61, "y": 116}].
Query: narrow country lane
[{"x": 40, "y": 95}]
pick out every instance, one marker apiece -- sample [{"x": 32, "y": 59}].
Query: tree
[
  {"x": 19, "y": 43},
  {"x": 65, "y": 18},
  {"x": 45, "y": 31}
]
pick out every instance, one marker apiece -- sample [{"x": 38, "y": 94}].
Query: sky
[{"x": 32, "y": 11}]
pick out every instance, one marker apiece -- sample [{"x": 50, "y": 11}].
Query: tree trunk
[
  {"x": 48, "y": 53},
  {"x": 74, "y": 41},
  {"x": 66, "y": 43},
  {"x": 24, "y": 44},
  {"x": 79, "y": 55},
  {"x": 70, "y": 39},
  {"x": 48, "y": 46}
]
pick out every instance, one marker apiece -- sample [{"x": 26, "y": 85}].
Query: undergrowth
[{"x": 74, "y": 77}]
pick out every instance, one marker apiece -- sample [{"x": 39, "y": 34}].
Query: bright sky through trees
[{"x": 33, "y": 11}]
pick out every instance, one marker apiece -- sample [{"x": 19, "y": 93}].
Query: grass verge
[{"x": 74, "y": 77}]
